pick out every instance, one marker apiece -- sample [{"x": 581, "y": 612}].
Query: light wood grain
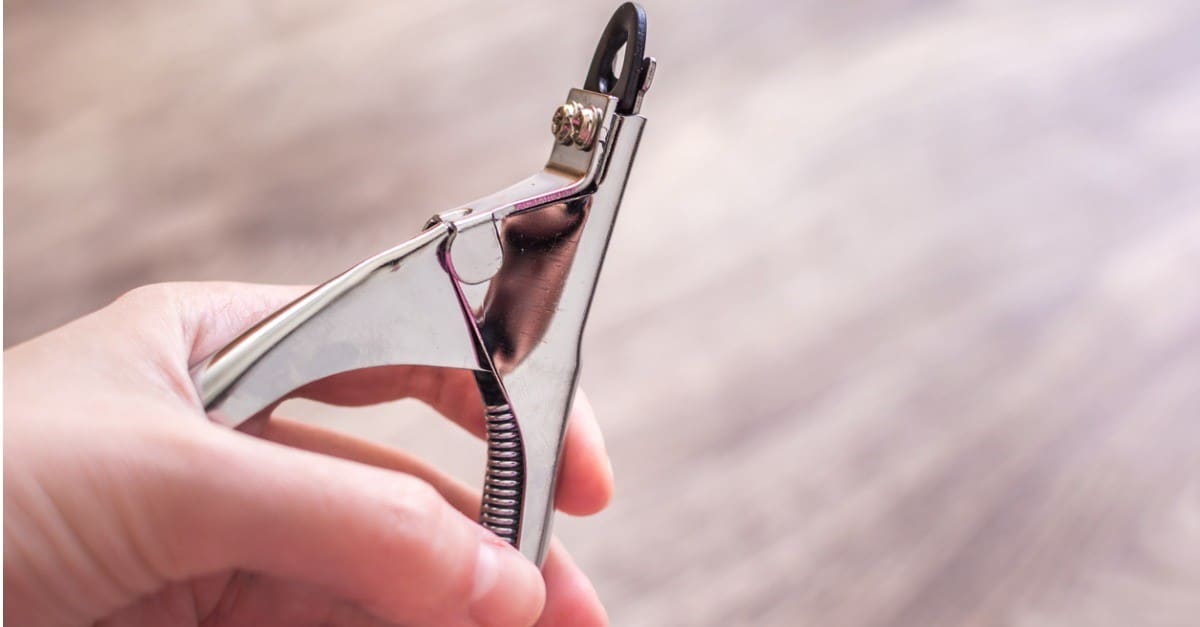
[{"x": 900, "y": 324}]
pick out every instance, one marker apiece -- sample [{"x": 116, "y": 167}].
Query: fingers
[
  {"x": 209, "y": 315},
  {"x": 318, "y": 440},
  {"x": 570, "y": 597},
  {"x": 385, "y": 540},
  {"x": 245, "y": 598},
  {"x": 585, "y": 480},
  {"x": 448, "y": 390},
  {"x": 324, "y": 441}
]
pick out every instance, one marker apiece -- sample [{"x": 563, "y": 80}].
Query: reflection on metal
[{"x": 537, "y": 245}]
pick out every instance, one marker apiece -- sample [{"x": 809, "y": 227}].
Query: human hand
[{"x": 125, "y": 505}]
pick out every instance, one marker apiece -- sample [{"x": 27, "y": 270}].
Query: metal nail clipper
[{"x": 534, "y": 250}]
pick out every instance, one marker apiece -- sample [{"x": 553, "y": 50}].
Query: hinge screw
[{"x": 574, "y": 123}]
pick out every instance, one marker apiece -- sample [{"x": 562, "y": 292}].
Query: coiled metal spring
[{"x": 504, "y": 480}]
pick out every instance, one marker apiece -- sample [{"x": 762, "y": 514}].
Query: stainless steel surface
[{"x": 537, "y": 245}]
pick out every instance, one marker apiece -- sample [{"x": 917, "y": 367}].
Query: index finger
[{"x": 585, "y": 479}]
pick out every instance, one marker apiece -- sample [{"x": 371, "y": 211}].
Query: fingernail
[{"x": 508, "y": 589}]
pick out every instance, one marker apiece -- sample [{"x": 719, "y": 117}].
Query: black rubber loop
[{"x": 627, "y": 27}]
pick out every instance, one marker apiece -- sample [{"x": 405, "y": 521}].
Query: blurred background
[{"x": 900, "y": 324}]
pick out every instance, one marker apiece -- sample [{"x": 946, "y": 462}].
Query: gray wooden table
[{"x": 900, "y": 325}]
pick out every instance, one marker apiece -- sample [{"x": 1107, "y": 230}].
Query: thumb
[
  {"x": 214, "y": 313},
  {"x": 185, "y": 322},
  {"x": 384, "y": 540}
]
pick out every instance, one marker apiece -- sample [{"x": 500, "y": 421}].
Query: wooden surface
[{"x": 900, "y": 325}]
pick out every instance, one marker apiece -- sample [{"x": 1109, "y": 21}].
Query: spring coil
[{"x": 504, "y": 480}]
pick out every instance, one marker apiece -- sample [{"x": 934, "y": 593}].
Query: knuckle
[
  {"x": 438, "y": 543},
  {"x": 424, "y": 503},
  {"x": 416, "y": 511}
]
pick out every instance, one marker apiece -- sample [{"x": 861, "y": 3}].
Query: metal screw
[
  {"x": 560, "y": 124},
  {"x": 574, "y": 123}
]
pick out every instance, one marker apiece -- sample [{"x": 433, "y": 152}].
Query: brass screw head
[
  {"x": 563, "y": 121},
  {"x": 574, "y": 123}
]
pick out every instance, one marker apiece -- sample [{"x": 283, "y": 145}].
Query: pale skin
[{"x": 124, "y": 505}]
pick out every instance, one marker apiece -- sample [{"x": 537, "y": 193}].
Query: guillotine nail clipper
[{"x": 534, "y": 250}]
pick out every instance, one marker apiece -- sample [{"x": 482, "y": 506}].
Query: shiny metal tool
[{"x": 538, "y": 246}]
